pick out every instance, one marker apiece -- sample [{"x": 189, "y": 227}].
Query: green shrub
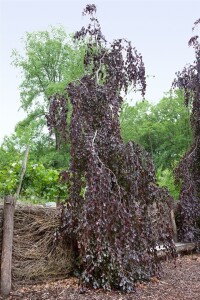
[
  {"x": 38, "y": 183},
  {"x": 165, "y": 178}
]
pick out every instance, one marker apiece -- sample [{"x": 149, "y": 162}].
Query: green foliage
[
  {"x": 42, "y": 148},
  {"x": 134, "y": 120},
  {"x": 51, "y": 60},
  {"x": 173, "y": 128},
  {"x": 162, "y": 129},
  {"x": 165, "y": 178},
  {"x": 9, "y": 178},
  {"x": 40, "y": 183}
]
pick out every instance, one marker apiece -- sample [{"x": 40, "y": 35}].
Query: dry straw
[{"x": 36, "y": 255}]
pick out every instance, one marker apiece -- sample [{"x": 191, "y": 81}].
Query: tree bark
[
  {"x": 175, "y": 235},
  {"x": 7, "y": 243}
]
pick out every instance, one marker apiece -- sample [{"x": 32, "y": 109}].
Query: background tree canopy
[
  {"x": 162, "y": 129},
  {"x": 50, "y": 61}
]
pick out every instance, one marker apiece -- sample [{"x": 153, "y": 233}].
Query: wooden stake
[
  {"x": 8, "y": 227},
  {"x": 175, "y": 235},
  {"x": 7, "y": 243}
]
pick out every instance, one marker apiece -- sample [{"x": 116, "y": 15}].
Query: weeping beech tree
[
  {"x": 114, "y": 214},
  {"x": 188, "y": 170}
]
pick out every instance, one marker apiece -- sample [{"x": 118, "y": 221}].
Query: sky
[{"x": 159, "y": 29}]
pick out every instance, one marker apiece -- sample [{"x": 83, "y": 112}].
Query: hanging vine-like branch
[
  {"x": 57, "y": 118},
  {"x": 188, "y": 170}
]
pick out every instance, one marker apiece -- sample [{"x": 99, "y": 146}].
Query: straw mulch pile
[{"x": 37, "y": 257}]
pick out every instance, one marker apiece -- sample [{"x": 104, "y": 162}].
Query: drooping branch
[
  {"x": 188, "y": 170},
  {"x": 57, "y": 118}
]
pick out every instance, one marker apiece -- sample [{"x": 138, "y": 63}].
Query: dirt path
[{"x": 179, "y": 282}]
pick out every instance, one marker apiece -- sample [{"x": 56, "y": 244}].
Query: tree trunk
[
  {"x": 57, "y": 140},
  {"x": 7, "y": 243},
  {"x": 175, "y": 236}
]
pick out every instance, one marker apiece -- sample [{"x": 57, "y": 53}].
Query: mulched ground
[{"x": 180, "y": 282}]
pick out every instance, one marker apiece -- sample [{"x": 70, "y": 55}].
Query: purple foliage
[
  {"x": 57, "y": 118},
  {"x": 188, "y": 170},
  {"x": 114, "y": 214}
]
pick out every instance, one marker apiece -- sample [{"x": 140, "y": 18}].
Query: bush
[
  {"x": 38, "y": 183},
  {"x": 166, "y": 178}
]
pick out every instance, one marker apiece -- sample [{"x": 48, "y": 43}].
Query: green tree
[
  {"x": 42, "y": 146},
  {"x": 132, "y": 120},
  {"x": 172, "y": 121},
  {"x": 51, "y": 60},
  {"x": 39, "y": 184},
  {"x": 162, "y": 129}
]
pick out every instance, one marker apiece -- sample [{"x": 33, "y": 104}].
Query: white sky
[{"x": 159, "y": 30}]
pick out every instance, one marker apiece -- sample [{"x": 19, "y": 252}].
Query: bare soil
[{"x": 180, "y": 281}]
